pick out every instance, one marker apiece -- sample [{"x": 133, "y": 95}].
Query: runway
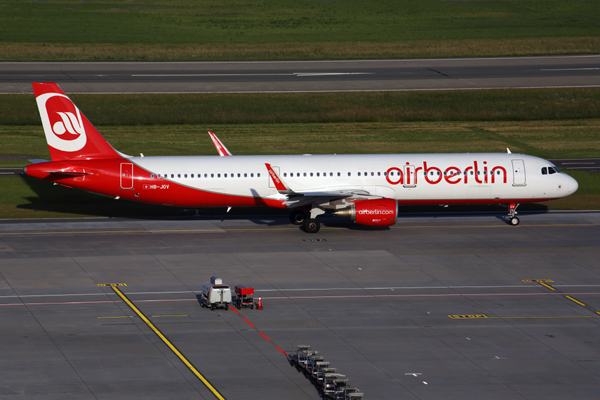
[
  {"x": 304, "y": 76},
  {"x": 436, "y": 307}
]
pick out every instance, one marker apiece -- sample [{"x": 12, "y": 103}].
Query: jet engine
[{"x": 378, "y": 212}]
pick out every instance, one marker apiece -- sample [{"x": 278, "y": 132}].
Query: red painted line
[
  {"x": 282, "y": 352},
  {"x": 249, "y": 323},
  {"x": 265, "y": 336},
  {"x": 233, "y": 308},
  {"x": 426, "y": 295}
]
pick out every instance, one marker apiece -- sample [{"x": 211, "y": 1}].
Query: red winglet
[
  {"x": 220, "y": 147},
  {"x": 279, "y": 185}
]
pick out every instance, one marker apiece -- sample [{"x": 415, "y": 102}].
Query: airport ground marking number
[
  {"x": 167, "y": 342},
  {"x": 111, "y": 284}
]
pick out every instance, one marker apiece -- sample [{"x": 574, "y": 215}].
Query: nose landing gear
[{"x": 512, "y": 211}]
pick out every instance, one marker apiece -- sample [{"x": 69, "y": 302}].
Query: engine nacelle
[{"x": 377, "y": 212}]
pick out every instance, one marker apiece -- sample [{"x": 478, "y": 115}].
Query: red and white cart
[{"x": 244, "y": 296}]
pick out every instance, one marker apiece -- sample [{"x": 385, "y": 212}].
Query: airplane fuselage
[{"x": 207, "y": 181}]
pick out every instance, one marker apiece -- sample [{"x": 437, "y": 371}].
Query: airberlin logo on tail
[{"x": 62, "y": 122}]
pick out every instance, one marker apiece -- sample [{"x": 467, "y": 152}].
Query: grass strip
[
  {"x": 550, "y": 139},
  {"x": 292, "y": 29},
  {"x": 261, "y": 108},
  {"x": 300, "y": 51}
]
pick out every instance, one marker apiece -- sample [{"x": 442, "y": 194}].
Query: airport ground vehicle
[
  {"x": 215, "y": 294},
  {"x": 330, "y": 384},
  {"x": 244, "y": 296}
]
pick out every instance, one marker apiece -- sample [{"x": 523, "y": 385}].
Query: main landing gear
[
  {"x": 308, "y": 222},
  {"x": 312, "y": 226},
  {"x": 512, "y": 211}
]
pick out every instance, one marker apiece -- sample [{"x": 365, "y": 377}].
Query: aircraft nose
[{"x": 570, "y": 185}]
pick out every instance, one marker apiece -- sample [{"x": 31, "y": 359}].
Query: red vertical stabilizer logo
[{"x": 62, "y": 122}]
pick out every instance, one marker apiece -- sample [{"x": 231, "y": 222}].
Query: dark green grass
[
  {"x": 271, "y": 21},
  {"x": 465, "y": 105},
  {"x": 207, "y": 29}
]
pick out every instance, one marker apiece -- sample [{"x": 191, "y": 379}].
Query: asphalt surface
[
  {"x": 440, "y": 307},
  {"x": 304, "y": 76}
]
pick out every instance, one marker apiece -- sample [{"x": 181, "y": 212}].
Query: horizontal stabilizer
[{"x": 37, "y": 160}]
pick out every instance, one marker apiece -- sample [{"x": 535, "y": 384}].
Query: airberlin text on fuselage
[{"x": 452, "y": 175}]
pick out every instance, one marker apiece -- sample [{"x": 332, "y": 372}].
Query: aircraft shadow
[{"x": 62, "y": 200}]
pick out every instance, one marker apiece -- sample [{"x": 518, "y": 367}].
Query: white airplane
[{"x": 364, "y": 188}]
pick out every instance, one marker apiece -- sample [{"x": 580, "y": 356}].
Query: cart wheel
[
  {"x": 252, "y": 306},
  {"x": 226, "y": 308}
]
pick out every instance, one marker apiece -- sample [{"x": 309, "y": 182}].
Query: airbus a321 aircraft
[{"x": 364, "y": 188}]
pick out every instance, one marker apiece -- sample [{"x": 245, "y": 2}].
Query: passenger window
[
  {"x": 372, "y": 173},
  {"x": 338, "y": 174},
  {"x": 284, "y": 174},
  {"x": 331, "y": 173},
  {"x": 239, "y": 175},
  {"x": 172, "y": 176},
  {"x": 379, "y": 174},
  {"x": 151, "y": 176},
  {"x": 251, "y": 175},
  {"x": 245, "y": 175},
  {"x": 349, "y": 173},
  {"x": 212, "y": 175},
  {"x": 359, "y": 174},
  {"x": 258, "y": 175},
  {"x": 305, "y": 174},
  {"x": 185, "y": 175},
  {"x": 311, "y": 174},
  {"x": 317, "y": 174}
]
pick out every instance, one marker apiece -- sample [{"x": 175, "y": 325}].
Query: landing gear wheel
[
  {"x": 297, "y": 217},
  {"x": 312, "y": 226},
  {"x": 514, "y": 221}
]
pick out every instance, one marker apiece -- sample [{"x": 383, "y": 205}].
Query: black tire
[
  {"x": 312, "y": 226},
  {"x": 297, "y": 217},
  {"x": 514, "y": 221}
]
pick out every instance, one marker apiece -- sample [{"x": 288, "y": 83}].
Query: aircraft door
[
  {"x": 126, "y": 176},
  {"x": 271, "y": 184},
  {"x": 410, "y": 177},
  {"x": 519, "y": 178}
]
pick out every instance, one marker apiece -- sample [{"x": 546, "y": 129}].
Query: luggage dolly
[{"x": 244, "y": 296}]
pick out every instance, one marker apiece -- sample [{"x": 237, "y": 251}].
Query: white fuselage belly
[{"x": 449, "y": 176}]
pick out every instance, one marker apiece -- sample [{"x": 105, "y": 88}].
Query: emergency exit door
[
  {"x": 126, "y": 176},
  {"x": 519, "y": 178}
]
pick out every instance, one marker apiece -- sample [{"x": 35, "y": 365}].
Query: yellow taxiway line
[{"x": 168, "y": 343}]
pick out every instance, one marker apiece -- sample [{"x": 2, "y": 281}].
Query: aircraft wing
[
  {"x": 219, "y": 145},
  {"x": 302, "y": 198}
]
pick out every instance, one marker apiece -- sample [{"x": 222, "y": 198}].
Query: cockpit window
[
  {"x": 544, "y": 171},
  {"x": 551, "y": 170}
]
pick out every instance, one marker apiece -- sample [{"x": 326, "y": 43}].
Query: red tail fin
[{"x": 68, "y": 132}]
